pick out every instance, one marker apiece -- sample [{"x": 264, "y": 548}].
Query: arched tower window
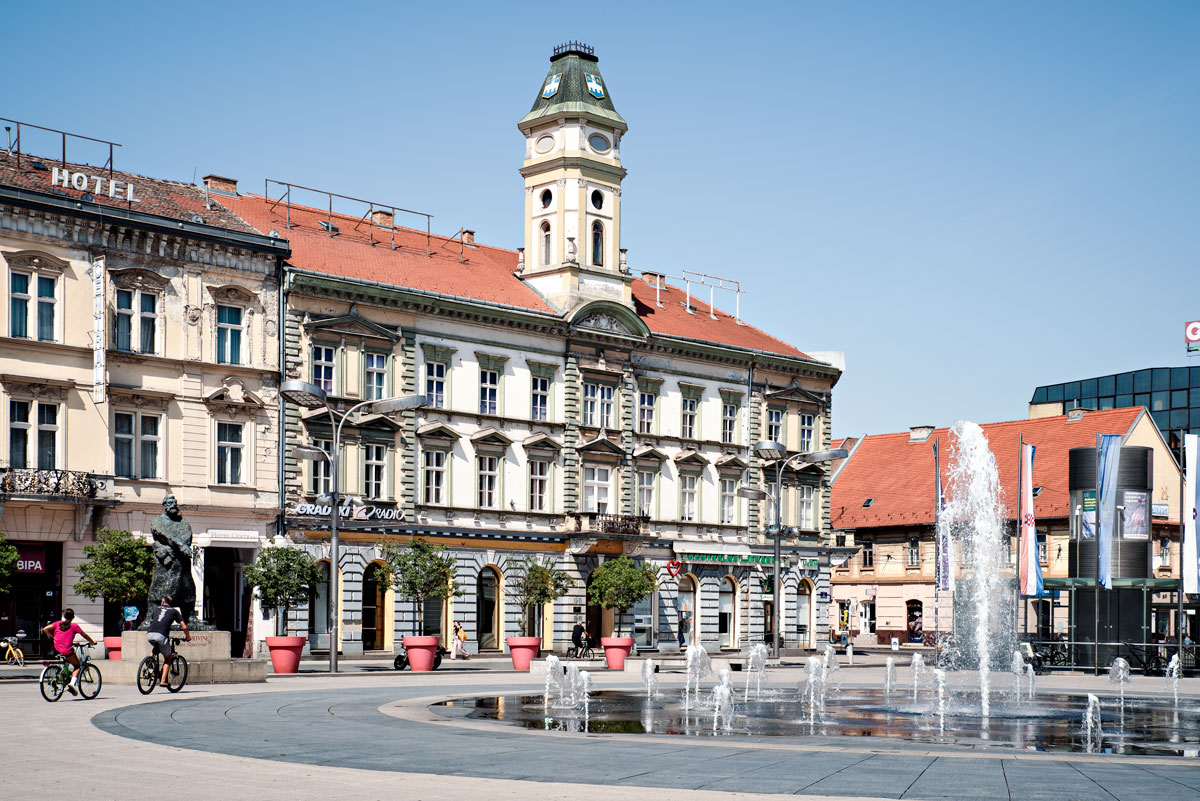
[
  {"x": 597, "y": 244},
  {"x": 546, "y": 243}
]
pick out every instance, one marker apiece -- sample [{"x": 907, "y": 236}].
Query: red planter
[
  {"x": 523, "y": 650},
  {"x": 112, "y": 647},
  {"x": 285, "y": 653},
  {"x": 421, "y": 651},
  {"x": 616, "y": 649}
]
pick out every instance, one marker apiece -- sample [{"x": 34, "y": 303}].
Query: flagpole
[
  {"x": 1179, "y": 588},
  {"x": 937, "y": 555},
  {"x": 1096, "y": 589},
  {"x": 1020, "y": 530}
]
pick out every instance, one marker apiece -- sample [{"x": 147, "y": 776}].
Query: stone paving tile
[
  {"x": 1043, "y": 780},
  {"x": 947, "y": 777},
  {"x": 884, "y": 775},
  {"x": 1189, "y": 776}
]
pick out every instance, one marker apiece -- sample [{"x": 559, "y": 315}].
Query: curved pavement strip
[{"x": 361, "y": 736}]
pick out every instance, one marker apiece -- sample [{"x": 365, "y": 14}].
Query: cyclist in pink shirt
[{"x": 63, "y": 633}]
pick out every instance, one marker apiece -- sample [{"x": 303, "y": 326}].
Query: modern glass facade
[{"x": 1171, "y": 394}]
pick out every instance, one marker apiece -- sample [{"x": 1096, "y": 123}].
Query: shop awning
[{"x": 1157, "y": 584}]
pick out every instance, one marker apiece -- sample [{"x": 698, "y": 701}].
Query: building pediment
[
  {"x": 34, "y": 260},
  {"x": 233, "y": 293},
  {"x": 730, "y": 461},
  {"x": 608, "y": 317},
  {"x": 351, "y": 325},
  {"x": 138, "y": 278},
  {"x": 601, "y": 445},
  {"x": 543, "y": 442},
  {"x": 490, "y": 437},
  {"x": 690, "y": 458},
  {"x": 437, "y": 430},
  {"x": 796, "y": 394},
  {"x": 649, "y": 453},
  {"x": 233, "y": 396}
]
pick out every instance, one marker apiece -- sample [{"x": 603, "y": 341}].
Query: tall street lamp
[
  {"x": 775, "y": 452},
  {"x": 311, "y": 396}
]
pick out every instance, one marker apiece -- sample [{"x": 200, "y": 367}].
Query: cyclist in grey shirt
[{"x": 161, "y": 618}]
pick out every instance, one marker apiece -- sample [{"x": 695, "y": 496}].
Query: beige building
[{"x": 139, "y": 355}]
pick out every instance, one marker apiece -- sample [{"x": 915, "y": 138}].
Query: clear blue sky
[{"x": 969, "y": 199}]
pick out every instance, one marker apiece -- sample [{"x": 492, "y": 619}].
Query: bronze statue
[{"x": 173, "y": 560}]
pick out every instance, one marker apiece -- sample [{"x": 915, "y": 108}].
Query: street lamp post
[
  {"x": 311, "y": 396},
  {"x": 770, "y": 451}
]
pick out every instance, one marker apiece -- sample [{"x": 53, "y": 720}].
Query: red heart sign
[{"x": 673, "y": 567}]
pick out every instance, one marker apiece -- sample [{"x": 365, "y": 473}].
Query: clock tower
[{"x": 572, "y": 171}]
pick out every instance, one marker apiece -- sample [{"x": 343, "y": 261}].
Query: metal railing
[
  {"x": 1148, "y": 658},
  {"x": 56, "y": 483},
  {"x": 628, "y": 525}
]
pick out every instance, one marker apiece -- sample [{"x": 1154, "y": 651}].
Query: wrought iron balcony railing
[
  {"x": 61, "y": 483},
  {"x": 628, "y": 525}
]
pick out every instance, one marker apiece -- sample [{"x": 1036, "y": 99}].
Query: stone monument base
[{"x": 207, "y": 655}]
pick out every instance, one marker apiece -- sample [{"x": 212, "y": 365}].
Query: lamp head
[
  {"x": 769, "y": 450},
  {"x": 303, "y": 393},
  {"x": 812, "y": 457},
  {"x": 312, "y": 452},
  {"x": 388, "y": 405},
  {"x": 751, "y": 493}
]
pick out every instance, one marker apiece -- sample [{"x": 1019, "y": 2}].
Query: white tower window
[
  {"x": 546, "y": 243},
  {"x": 597, "y": 244},
  {"x": 547, "y": 198},
  {"x": 597, "y": 198}
]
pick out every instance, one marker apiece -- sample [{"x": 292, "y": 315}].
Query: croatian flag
[
  {"x": 1106, "y": 503},
  {"x": 1030, "y": 567},
  {"x": 1190, "y": 508}
]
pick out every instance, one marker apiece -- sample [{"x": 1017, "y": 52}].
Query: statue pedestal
[{"x": 207, "y": 655}]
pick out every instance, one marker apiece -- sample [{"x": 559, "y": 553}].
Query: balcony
[
  {"x": 613, "y": 525},
  {"x": 48, "y": 483}
]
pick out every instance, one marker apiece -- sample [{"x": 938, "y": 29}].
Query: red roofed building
[{"x": 883, "y": 502}]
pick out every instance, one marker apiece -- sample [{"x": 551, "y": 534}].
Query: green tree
[
  {"x": 118, "y": 568},
  {"x": 418, "y": 572},
  {"x": 8, "y": 565},
  {"x": 283, "y": 577},
  {"x": 538, "y": 584},
  {"x": 620, "y": 584}
]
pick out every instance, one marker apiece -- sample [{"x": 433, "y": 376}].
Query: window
[
  {"x": 489, "y": 386},
  {"x": 18, "y": 305},
  {"x": 322, "y": 367},
  {"x": 595, "y": 488},
  {"x": 375, "y": 472},
  {"x": 47, "y": 300},
  {"x": 229, "y": 335},
  {"x": 435, "y": 476},
  {"x": 137, "y": 316},
  {"x": 1162, "y": 554},
  {"x": 598, "y": 405},
  {"x": 806, "y": 432},
  {"x": 775, "y": 425},
  {"x": 539, "y": 485},
  {"x": 1041, "y": 543},
  {"x": 688, "y": 418},
  {"x": 547, "y": 196},
  {"x": 545, "y": 243},
  {"x": 867, "y": 552},
  {"x": 646, "y": 412},
  {"x": 539, "y": 398},
  {"x": 728, "y": 422},
  {"x": 687, "y": 498},
  {"x": 435, "y": 384},
  {"x": 489, "y": 481},
  {"x": 18, "y": 433},
  {"x": 375, "y": 380},
  {"x": 645, "y": 481},
  {"x": 914, "y": 552},
  {"x": 136, "y": 445},
  {"x": 728, "y": 501},
  {"x": 321, "y": 481},
  {"x": 597, "y": 244},
  {"x": 804, "y": 507},
  {"x": 229, "y": 453}
]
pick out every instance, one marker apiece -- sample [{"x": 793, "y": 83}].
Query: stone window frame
[
  {"x": 695, "y": 394},
  {"x": 490, "y": 362},
  {"x": 546, "y": 372},
  {"x": 335, "y": 377},
  {"x": 730, "y": 398},
  {"x": 651, "y": 387},
  {"x": 140, "y": 282},
  {"x": 35, "y": 264},
  {"x": 387, "y": 482},
  {"x": 437, "y": 354},
  {"x": 136, "y": 439},
  {"x": 386, "y": 390},
  {"x": 245, "y": 449},
  {"x": 549, "y": 478}
]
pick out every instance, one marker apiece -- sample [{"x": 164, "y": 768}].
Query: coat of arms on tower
[
  {"x": 594, "y": 87},
  {"x": 551, "y": 87}
]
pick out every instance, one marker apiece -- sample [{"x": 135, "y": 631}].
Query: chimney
[
  {"x": 383, "y": 218},
  {"x": 468, "y": 238},
  {"x": 1075, "y": 415},
  {"x": 919, "y": 433},
  {"x": 653, "y": 279},
  {"x": 221, "y": 186}
]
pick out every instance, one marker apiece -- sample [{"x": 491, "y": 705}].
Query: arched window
[
  {"x": 727, "y": 613},
  {"x": 545, "y": 243},
  {"x": 488, "y": 609},
  {"x": 597, "y": 244},
  {"x": 318, "y": 604}
]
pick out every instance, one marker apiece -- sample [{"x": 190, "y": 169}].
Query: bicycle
[
  {"x": 56, "y": 676},
  {"x": 150, "y": 669},
  {"x": 584, "y": 651},
  {"x": 12, "y": 654}
]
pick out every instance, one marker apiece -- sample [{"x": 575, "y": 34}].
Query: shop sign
[
  {"x": 350, "y": 512},
  {"x": 99, "y": 315},
  {"x": 1160, "y": 509},
  {"x": 95, "y": 184},
  {"x": 31, "y": 559},
  {"x": 744, "y": 559}
]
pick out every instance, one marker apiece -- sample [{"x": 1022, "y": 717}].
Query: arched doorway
[
  {"x": 487, "y": 609},
  {"x": 374, "y": 609},
  {"x": 804, "y": 610},
  {"x": 596, "y": 617},
  {"x": 688, "y": 607},
  {"x": 318, "y": 609},
  {"x": 916, "y": 620},
  {"x": 727, "y": 613}
]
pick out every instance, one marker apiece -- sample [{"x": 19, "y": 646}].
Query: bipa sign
[
  {"x": 349, "y": 512},
  {"x": 95, "y": 184},
  {"x": 31, "y": 559}
]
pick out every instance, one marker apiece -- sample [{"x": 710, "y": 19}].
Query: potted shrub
[
  {"x": 620, "y": 584},
  {"x": 283, "y": 577},
  {"x": 538, "y": 584},
  {"x": 419, "y": 572},
  {"x": 117, "y": 568}
]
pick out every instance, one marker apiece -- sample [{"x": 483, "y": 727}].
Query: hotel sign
[{"x": 95, "y": 184}]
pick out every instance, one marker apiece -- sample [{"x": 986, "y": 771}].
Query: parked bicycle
[
  {"x": 12, "y": 654},
  {"x": 56, "y": 675},
  {"x": 151, "y": 668}
]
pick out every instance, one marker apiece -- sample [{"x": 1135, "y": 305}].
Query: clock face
[
  {"x": 544, "y": 144},
  {"x": 598, "y": 143}
]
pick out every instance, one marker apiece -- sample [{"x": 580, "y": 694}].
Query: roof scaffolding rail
[
  {"x": 689, "y": 277},
  {"x": 13, "y": 145},
  {"x": 368, "y": 217}
]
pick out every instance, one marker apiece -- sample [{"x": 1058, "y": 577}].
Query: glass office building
[{"x": 1171, "y": 394}]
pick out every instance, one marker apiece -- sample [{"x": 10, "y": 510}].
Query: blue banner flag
[{"x": 1110, "y": 462}]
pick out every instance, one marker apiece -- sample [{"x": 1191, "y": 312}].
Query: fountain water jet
[
  {"x": 1174, "y": 671},
  {"x": 698, "y": 666},
  {"x": 1118, "y": 674},
  {"x": 1092, "y": 731},
  {"x": 1018, "y": 670},
  {"x": 649, "y": 678},
  {"x": 889, "y": 676},
  {"x": 757, "y": 665},
  {"x": 918, "y": 669},
  {"x": 940, "y": 680}
]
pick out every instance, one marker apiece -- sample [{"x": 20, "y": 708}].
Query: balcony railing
[
  {"x": 60, "y": 483},
  {"x": 626, "y": 525}
]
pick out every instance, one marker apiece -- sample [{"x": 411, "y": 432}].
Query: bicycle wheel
[
  {"x": 588, "y": 653},
  {"x": 177, "y": 675},
  {"x": 20, "y": 657},
  {"x": 147, "y": 675},
  {"x": 49, "y": 683},
  {"x": 90, "y": 681}
]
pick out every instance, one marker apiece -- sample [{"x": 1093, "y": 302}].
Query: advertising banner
[{"x": 1135, "y": 520}]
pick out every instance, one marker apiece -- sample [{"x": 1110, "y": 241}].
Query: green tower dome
[{"x": 574, "y": 87}]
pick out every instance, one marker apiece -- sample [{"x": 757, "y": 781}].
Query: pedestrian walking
[{"x": 459, "y": 644}]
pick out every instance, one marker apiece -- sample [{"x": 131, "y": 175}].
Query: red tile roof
[
  {"x": 177, "y": 201},
  {"x": 898, "y": 474}
]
